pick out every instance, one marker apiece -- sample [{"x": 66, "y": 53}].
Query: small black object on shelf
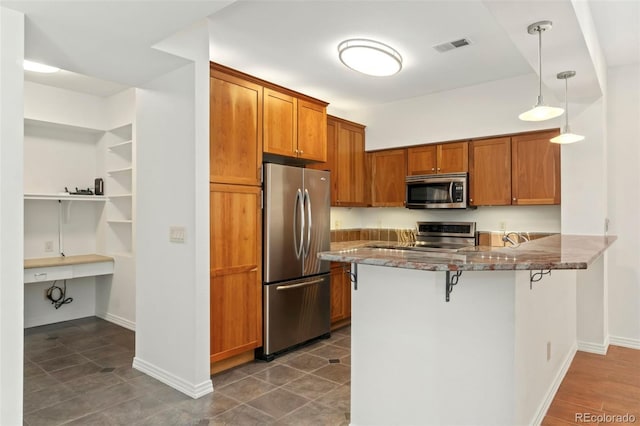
[{"x": 87, "y": 191}]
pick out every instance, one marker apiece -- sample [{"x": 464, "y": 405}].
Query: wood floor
[{"x": 599, "y": 390}]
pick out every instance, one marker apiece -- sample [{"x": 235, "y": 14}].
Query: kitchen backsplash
[
  {"x": 377, "y": 234},
  {"x": 514, "y": 218}
]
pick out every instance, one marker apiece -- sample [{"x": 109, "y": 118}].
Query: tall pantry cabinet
[{"x": 235, "y": 217}]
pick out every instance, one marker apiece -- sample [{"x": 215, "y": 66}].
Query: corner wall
[
  {"x": 624, "y": 204},
  {"x": 172, "y": 296},
  {"x": 11, "y": 215}
]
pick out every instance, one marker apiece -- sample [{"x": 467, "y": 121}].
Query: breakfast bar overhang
[{"x": 494, "y": 354}]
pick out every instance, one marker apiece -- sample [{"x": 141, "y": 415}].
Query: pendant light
[
  {"x": 540, "y": 111},
  {"x": 566, "y": 136}
]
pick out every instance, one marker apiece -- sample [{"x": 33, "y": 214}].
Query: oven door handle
[{"x": 304, "y": 284}]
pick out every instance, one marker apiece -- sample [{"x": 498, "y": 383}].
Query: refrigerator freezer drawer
[{"x": 295, "y": 311}]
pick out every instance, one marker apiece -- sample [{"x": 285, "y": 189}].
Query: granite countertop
[{"x": 553, "y": 252}]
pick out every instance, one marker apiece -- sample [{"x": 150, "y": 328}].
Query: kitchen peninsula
[{"x": 494, "y": 354}]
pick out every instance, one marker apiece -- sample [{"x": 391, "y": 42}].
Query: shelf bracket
[
  {"x": 451, "y": 281},
  {"x": 534, "y": 277}
]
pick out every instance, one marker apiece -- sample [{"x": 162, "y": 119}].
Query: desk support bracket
[
  {"x": 534, "y": 277},
  {"x": 451, "y": 281}
]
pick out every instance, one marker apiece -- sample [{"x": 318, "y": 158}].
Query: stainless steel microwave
[{"x": 445, "y": 191}]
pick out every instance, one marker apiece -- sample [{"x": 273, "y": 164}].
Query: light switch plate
[{"x": 177, "y": 234}]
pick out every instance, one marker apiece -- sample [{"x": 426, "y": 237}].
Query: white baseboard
[
  {"x": 122, "y": 322},
  {"x": 193, "y": 390},
  {"x": 553, "y": 388},
  {"x": 594, "y": 348},
  {"x": 625, "y": 342}
]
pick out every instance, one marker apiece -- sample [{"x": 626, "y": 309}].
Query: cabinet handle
[
  {"x": 433, "y": 169},
  {"x": 514, "y": 199},
  {"x": 438, "y": 168},
  {"x": 301, "y": 152},
  {"x": 471, "y": 200}
]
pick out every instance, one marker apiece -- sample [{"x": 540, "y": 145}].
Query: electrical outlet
[
  {"x": 177, "y": 234},
  {"x": 503, "y": 225},
  {"x": 548, "y": 351},
  {"x": 48, "y": 246}
]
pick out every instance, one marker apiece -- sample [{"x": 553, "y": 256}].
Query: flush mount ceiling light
[
  {"x": 36, "y": 67},
  {"x": 370, "y": 57},
  {"x": 566, "y": 136},
  {"x": 540, "y": 111}
]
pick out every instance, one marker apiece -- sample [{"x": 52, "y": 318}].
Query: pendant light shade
[
  {"x": 540, "y": 111},
  {"x": 370, "y": 57},
  {"x": 566, "y": 136}
]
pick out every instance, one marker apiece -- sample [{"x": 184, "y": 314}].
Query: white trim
[
  {"x": 553, "y": 388},
  {"x": 624, "y": 342},
  {"x": 193, "y": 390},
  {"x": 594, "y": 348},
  {"x": 122, "y": 322}
]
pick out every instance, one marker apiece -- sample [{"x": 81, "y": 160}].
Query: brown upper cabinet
[
  {"x": 294, "y": 127},
  {"x": 347, "y": 163},
  {"x": 388, "y": 174},
  {"x": 235, "y": 124},
  {"x": 518, "y": 170},
  {"x": 535, "y": 164},
  {"x": 490, "y": 172},
  {"x": 438, "y": 158}
]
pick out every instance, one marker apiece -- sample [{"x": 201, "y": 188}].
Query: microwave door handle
[{"x": 451, "y": 192}]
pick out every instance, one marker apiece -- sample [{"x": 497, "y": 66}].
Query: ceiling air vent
[{"x": 450, "y": 45}]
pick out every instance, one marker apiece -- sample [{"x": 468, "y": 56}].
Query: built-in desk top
[{"x": 47, "y": 262}]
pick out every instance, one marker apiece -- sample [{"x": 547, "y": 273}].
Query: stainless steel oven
[{"x": 445, "y": 191}]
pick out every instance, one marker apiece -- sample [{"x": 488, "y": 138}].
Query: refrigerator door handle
[
  {"x": 298, "y": 208},
  {"x": 307, "y": 200},
  {"x": 305, "y": 284}
]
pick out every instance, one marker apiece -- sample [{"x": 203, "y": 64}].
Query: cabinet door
[
  {"x": 236, "y": 274},
  {"x": 280, "y": 123},
  {"x": 453, "y": 157},
  {"x": 351, "y": 169},
  {"x": 490, "y": 172},
  {"x": 535, "y": 164},
  {"x": 337, "y": 292},
  {"x": 312, "y": 131},
  {"x": 235, "y": 130},
  {"x": 389, "y": 170},
  {"x": 330, "y": 164},
  {"x": 421, "y": 160}
]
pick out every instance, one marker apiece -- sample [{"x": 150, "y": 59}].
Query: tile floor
[{"x": 79, "y": 373}]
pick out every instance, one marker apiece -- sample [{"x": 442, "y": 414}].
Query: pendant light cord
[{"x": 540, "y": 64}]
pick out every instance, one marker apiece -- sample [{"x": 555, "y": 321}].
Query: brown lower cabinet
[
  {"x": 340, "y": 294},
  {"x": 236, "y": 272}
]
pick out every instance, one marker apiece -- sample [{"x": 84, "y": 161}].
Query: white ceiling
[{"x": 293, "y": 43}]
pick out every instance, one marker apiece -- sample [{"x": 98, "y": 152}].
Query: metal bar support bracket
[
  {"x": 353, "y": 274},
  {"x": 451, "y": 281},
  {"x": 534, "y": 277}
]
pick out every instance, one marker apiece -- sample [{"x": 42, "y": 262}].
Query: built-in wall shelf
[
  {"x": 61, "y": 126},
  {"x": 125, "y": 144},
  {"x": 64, "y": 197},
  {"x": 120, "y": 221},
  {"x": 112, "y": 196},
  {"x": 122, "y": 170}
]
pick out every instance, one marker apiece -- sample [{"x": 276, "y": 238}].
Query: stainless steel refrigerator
[{"x": 296, "y": 283}]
